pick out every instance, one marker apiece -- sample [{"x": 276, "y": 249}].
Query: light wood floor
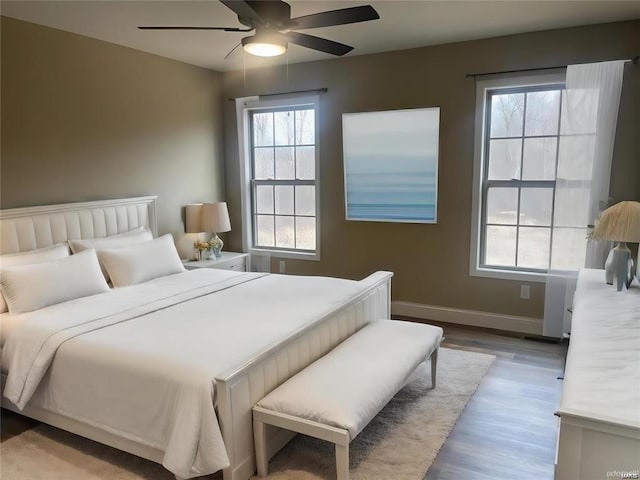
[{"x": 508, "y": 429}]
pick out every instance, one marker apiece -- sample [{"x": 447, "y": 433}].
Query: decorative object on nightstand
[
  {"x": 620, "y": 223},
  {"x": 203, "y": 250},
  {"x": 215, "y": 219}
]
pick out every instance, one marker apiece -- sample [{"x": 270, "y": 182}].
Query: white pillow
[
  {"x": 138, "y": 235},
  {"x": 39, "y": 255},
  {"x": 142, "y": 262},
  {"x": 31, "y": 287}
]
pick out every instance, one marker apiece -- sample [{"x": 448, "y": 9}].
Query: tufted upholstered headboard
[{"x": 27, "y": 228}]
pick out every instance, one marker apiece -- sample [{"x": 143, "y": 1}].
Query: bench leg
[
  {"x": 260, "y": 440},
  {"x": 342, "y": 461},
  {"x": 434, "y": 367}
]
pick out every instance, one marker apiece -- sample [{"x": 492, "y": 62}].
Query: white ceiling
[{"x": 402, "y": 24}]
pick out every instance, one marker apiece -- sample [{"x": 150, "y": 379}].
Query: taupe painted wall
[
  {"x": 431, "y": 262},
  {"x": 84, "y": 119}
]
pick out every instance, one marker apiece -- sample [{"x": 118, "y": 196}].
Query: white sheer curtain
[{"x": 589, "y": 114}]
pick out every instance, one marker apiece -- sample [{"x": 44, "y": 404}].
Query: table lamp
[
  {"x": 193, "y": 213},
  {"x": 215, "y": 219},
  {"x": 620, "y": 223}
]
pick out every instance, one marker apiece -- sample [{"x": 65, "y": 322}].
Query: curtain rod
[
  {"x": 313, "y": 90},
  {"x": 633, "y": 60}
]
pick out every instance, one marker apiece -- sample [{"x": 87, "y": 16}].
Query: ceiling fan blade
[
  {"x": 175, "y": 27},
  {"x": 317, "y": 43},
  {"x": 244, "y": 10},
  {"x": 334, "y": 17}
]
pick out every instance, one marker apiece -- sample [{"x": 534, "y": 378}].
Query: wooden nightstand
[{"x": 228, "y": 261}]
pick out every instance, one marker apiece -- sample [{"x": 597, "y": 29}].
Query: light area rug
[{"x": 401, "y": 443}]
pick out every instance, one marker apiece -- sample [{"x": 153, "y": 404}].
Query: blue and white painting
[{"x": 391, "y": 165}]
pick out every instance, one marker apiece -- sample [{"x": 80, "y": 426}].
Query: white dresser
[
  {"x": 599, "y": 436},
  {"x": 227, "y": 261}
]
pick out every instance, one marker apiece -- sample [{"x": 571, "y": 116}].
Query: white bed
[{"x": 262, "y": 329}]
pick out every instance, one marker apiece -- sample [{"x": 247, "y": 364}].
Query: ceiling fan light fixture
[
  {"x": 275, "y": 28},
  {"x": 264, "y": 46}
]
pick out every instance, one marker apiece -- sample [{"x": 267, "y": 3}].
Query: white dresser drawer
[{"x": 237, "y": 262}]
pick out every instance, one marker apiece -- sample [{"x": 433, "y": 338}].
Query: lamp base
[
  {"x": 618, "y": 267},
  {"x": 216, "y": 245}
]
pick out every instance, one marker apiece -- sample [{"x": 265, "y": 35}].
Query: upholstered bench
[{"x": 335, "y": 397}]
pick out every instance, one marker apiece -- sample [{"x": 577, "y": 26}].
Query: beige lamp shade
[
  {"x": 620, "y": 223},
  {"x": 192, "y": 216},
  {"x": 215, "y": 218}
]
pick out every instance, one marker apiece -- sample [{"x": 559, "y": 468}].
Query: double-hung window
[
  {"x": 281, "y": 178},
  {"x": 517, "y": 144}
]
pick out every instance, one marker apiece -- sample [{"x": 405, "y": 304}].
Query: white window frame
[
  {"x": 243, "y": 108},
  {"x": 482, "y": 85}
]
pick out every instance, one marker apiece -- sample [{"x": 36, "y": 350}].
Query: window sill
[
  {"x": 292, "y": 254},
  {"x": 509, "y": 275}
]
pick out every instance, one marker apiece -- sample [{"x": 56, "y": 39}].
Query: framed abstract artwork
[{"x": 391, "y": 165}]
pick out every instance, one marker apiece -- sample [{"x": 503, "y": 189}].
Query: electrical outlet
[
  {"x": 525, "y": 292},
  {"x": 283, "y": 266}
]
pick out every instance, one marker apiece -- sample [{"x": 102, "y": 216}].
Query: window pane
[
  {"x": 539, "y": 159},
  {"x": 284, "y": 163},
  {"x": 522, "y": 146},
  {"x": 264, "y": 199},
  {"x": 305, "y": 127},
  {"x": 306, "y": 163},
  {"x": 504, "y": 159},
  {"x": 533, "y": 247},
  {"x": 284, "y": 200},
  {"x": 283, "y": 128},
  {"x": 535, "y": 206},
  {"x": 306, "y": 233},
  {"x": 283, "y": 151},
  {"x": 262, "y": 129},
  {"x": 502, "y": 205},
  {"x": 500, "y": 246},
  {"x": 306, "y": 200},
  {"x": 543, "y": 112},
  {"x": 264, "y": 226},
  {"x": 506, "y": 115},
  {"x": 284, "y": 232},
  {"x": 263, "y": 167}
]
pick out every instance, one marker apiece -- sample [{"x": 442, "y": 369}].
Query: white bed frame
[{"x": 237, "y": 391}]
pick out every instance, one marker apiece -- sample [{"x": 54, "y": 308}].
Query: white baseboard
[{"x": 511, "y": 323}]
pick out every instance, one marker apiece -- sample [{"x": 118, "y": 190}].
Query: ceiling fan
[{"x": 271, "y": 19}]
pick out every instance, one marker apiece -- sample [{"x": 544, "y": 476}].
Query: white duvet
[{"x": 141, "y": 361}]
